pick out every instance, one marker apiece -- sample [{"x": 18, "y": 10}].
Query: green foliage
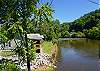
[
  {"x": 78, "y": 34},
  {"x": 50, "y": 29},
  {"x": 55, "y": 41},
  {"x": 9, "y": 66},
  {"x": 65, "y": 34},
  {"x": 93, "y": 33},
  {"x": 19, "y": 17},
  {"x": 89, "y": 24},
  {"x": 64, "y": 30},
  {"x": 87, "y": 21},
  {"x": 6, "y": 53}
]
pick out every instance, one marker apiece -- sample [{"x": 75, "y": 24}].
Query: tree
[
  {"x": 64, "y": 30},
  {"x": 89, "y": 24},
  {"x": 16, "y": 16},
  {"x": 93, "y": 33}
]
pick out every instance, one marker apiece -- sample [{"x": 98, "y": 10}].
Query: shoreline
[{"x": 51, "y": 66}]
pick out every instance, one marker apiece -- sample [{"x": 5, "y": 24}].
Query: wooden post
[{"x": 28, "y": 59}]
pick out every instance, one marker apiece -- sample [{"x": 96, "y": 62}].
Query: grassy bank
[
  {"x": 51, "y": 49},
  {"x": 47, "y": 46},
  {"x": 44, "y": 68}
]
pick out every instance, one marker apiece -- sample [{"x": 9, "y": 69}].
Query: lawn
[
  {"x": 44, "y": 68},
  {"x": 47, "y": 46},
  {"x": 6, "y": 53}
]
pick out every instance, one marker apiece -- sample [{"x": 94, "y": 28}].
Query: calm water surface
[{"x": 78, "y": 55}]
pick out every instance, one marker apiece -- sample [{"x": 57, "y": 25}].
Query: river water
[{"x": 78, "y": 55}]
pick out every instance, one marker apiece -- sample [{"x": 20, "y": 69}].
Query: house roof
[{"x": 35, "y": 36}]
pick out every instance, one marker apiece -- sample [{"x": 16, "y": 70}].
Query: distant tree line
[{"x": 87, "y": 26}]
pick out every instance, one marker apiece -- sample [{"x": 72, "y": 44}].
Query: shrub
[{"x": 9, "y": 66}]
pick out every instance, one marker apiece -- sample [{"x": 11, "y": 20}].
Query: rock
[{"x": 41, "y": 60}]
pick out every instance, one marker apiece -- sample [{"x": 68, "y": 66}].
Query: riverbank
[{"x": 49, "y": 49}]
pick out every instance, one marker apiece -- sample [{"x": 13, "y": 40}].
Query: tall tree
[{"x": 17, "y": 16}]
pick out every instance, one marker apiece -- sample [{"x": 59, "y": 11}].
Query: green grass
[
  {"x": 6, "y": 53},
  {"x": 47, "y": 46},
  {"x": 44, "y": 68},
  {"x": 49, "y": 69}
]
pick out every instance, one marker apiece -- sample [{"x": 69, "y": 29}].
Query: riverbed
[{"x": 78, "y": 55}]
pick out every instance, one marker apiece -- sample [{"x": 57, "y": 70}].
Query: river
[{"x": 78, "y": 55}]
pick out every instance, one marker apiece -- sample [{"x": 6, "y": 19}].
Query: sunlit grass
[
  {"x": 6, "y": 53},
  {"x": 47, "y": 46},
  {"x": 44, "y": 68}
]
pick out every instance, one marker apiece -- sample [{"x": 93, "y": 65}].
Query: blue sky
[{"x": 69, "y": 10}]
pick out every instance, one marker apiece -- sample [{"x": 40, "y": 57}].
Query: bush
[
  {"x": 55, "y": 41},
  {"x": 65, "y": 34},
  {"x": 9, "y": 66},
  {"x": 93, "y": 33},
  {"x": 78, "y": 34}
]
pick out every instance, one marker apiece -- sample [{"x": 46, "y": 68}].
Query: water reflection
[
  {"x": 79, "y": 55},
  {"x": 99, "y": 51}
]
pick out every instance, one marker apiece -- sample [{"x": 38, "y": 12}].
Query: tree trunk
[
  {"x": 28, "y": 60},
  {"x": 28, "y": 64}
]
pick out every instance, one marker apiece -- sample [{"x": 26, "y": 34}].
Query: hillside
[{"x": 89, "y": 24}]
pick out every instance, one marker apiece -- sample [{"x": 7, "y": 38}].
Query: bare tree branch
[
  {"x": 51, "y": 2},
  {"x": 93, "y": 2}
]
